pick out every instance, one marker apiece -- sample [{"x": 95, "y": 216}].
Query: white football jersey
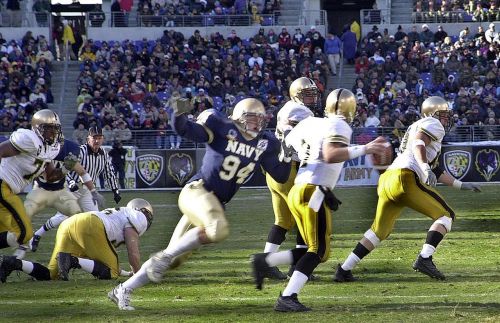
[
  {"x": 117, "y": 219},
  {"x": 406, "y": 159},
  {"x": 294, "y": 112},
  {"x": 20, "y": 170},
  {"x": 307, "y": 139}
]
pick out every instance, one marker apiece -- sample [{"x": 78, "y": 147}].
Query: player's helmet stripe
[{"x": 338, "y": 100}]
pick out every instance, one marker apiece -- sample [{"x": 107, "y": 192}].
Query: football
[{"x": 384, "y": 160}]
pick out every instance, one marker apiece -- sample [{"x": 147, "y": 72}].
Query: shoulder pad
[
  {"x": 137, "y": 219},
  {"x": 25, "y": 141},
  {"x": 432, "y": 127}
]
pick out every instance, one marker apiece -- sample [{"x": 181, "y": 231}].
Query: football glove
[
  {"x": 470, "y": 187},
  {"x": 73, "y": 187},
  {"x": 98, "y": 200},
  {"x": 70, "y": 161},
  {"x": 116, "y": 196},
  {"x": 429, "y": 176},
  {"x": 182, "y": 106}
]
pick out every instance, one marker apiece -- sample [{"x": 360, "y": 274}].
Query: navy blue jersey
[
  {"x": 67, "y": 148},
  {"x": 230, "y": 158}
]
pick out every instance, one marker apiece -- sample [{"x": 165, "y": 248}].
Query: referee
[{"x": 96, "y": 162}]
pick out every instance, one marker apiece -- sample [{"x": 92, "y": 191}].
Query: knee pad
[
  {"x": 445, "y": 221},
  {"x": 372, "y": 237},
  {"x": 217, "y": 230}
]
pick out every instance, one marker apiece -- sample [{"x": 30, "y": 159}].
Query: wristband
[
  {"x": 457, "y": 184},
  {"x": 85, "y": 178},
  {"x": 356, "y": 151}
]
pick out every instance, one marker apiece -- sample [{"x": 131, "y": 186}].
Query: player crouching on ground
[{"x": 88, "y": 241}]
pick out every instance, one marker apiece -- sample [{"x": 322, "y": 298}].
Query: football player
[
  {"x": 410, "y": 182},
  {"x": 56, "y": 195},
  {"x": 303, "y": 93},
  {"x": 25, "y": 156},
  {"x": 322, "y": 146},
  {"x": 95, "y": 161},
  {"x": 235, "y": 148},
  {"x": 88, "y": 241}
]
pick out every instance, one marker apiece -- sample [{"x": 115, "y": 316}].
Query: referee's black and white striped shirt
[{"x": 95, "y": 164}]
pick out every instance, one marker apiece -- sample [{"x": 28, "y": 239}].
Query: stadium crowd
[
  {"x": 25, "y": 78},
  {"x": 455, "y": 11},
  {"x": 132, "y": 85},
  {"x": 395, "y": 73}
]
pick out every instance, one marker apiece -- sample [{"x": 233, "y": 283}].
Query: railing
[
  {"x": 453, "y": 16},
  {"x": 375, "y": 16},
  {"x": 167, "y": 139},
  {"x": 24, "y": 18},
  {"x": 118, "y": 19}
]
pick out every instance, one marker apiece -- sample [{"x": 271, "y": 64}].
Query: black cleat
[
  {"x": 427, "y": 267},
  {"x": 312, "y": 277},
  {"x": 290, "y": 304},
  {"x": 275, "y": 273},
  {"x": 260, "y": 268},
  {"x": 7, "y": 265},
  {"x": 65, "y": 262},
  {"x": 343, "y": 276},
  {"x": 35, "y": 242}
]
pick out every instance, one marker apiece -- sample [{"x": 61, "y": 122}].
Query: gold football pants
[
  {"x": 315, "y": 227},
  {"x": 13, "y": 217},
  {"x": 400, "y": 188}
]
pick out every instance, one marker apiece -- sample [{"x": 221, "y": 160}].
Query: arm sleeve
[
  {"x": 109, "y": 173},
  {"x": 191, "y": 130},
  {"x": 279, "y": 171}
]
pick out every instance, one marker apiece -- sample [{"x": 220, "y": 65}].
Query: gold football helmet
[
  {"x": 143, "y": 206},
  {"x": 438, "y": 108},
  {"x": 341, "y": 102},
  {"x": 247, "y": 112},
  {"x": 304, "y": 91},
  {"x": 47, "y": 125}
]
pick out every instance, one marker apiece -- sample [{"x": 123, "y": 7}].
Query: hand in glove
[
  {"x": 470, "y": 187},
  {"x": 429, "y": 176},
  {"x": 70, "y": 161},
  {"x": 98, "y": 199},
  {"x": 182, "y": 106},
  {"x": 116, "y": 196}
]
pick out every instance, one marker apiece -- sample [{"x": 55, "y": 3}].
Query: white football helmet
[
  {"x": 437, "y": 107},
  {"x": 304, "y": 91}
]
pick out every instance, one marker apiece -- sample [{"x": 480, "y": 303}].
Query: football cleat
[
  {"x": 35, "y": 241},
  {"x": 275, "y": 273},
  {"x": 159, "y": 264},
  {"x": 427, "y": 267},
  {"x": 7, "y": 265},
  {"x": 260, "y": 268},
  {"x": 343, "y": 276},
  {"x": 65, "y": 262},
  {"x": 121, "y": 297},
  {"x": 290, "y": 304}
]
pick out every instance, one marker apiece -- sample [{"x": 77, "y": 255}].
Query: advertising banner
[
  {"x": 180, "y": 166},
  {"x": 357, "y": 172},
  {"x": 150, "y": 168},
  {"x": 472, "y": 163}
]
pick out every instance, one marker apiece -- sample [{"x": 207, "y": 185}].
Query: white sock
[
  {"x": 54, "y": 221},
  {"x": 271, "y": 247},
  {"x": 297, "y": 281},
  {"x": 40, "y": 232},
  {"x": 351, "y": 262},
  {"x": 27, "y": 267},
  {"x": 301, "y": 246},
  {"x": 279, "y": 258},
  {"x": 189, "y": 241},
  {"x": 427, "y": 250},
  {"x": 86, "y": 264},
  {"x": 139, "y": 279}
]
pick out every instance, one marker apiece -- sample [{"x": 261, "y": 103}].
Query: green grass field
[{"x": 216, "y": 284}]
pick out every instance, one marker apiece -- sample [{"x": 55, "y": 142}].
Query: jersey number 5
[{"x": 230, "y": 165}]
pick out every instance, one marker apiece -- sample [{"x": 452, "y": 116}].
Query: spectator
[
  {"x": 440, "y": 35},
  {"x": 118, "y": 157},
  {"x": 332, "y": 50},
  {"x": 122, "y": 133},
  {"x": 349, "y": 40},
  {"x": 108, "y": 133}
]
